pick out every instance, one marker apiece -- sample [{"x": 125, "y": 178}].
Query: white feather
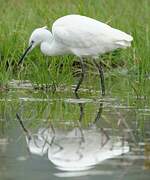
[
  {"x": 79, "y": 35},
  {"x": 85, "y": 36}
]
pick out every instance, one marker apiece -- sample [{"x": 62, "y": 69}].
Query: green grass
[{"x": 20, "y": 18}]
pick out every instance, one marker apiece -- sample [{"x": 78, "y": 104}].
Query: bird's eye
[{"x": 32, "y": 42}]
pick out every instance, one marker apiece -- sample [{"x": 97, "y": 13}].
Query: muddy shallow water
[{"x": 67, "y": 136}]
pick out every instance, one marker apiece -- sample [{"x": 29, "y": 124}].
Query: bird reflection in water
[{"x": 77, "y": 149}]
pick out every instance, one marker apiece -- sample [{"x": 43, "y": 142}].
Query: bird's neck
[
  {"x": 46, "y": 48},
  {"x": 53, "y": 48}
]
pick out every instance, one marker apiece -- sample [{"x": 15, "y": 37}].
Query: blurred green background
[{"x": 20, "y": 17}]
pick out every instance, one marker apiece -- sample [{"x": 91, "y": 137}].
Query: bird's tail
[
  {"x": 125, "y": 42},
  {"x": 123, "y": 39}
]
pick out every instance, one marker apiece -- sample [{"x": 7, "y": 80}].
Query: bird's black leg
[
  {"x": 82, "y": 75},
  {"x": 100, "y": 69}
]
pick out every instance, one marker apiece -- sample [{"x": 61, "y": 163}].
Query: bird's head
[{"x": 38, "y": 36}]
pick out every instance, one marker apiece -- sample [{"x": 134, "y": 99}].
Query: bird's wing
[{"x": 81, "y": 32}]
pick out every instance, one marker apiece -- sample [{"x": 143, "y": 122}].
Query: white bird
[{"x": 81, "y": 36}]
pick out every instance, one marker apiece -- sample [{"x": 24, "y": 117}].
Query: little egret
[{"x": 81, "y": 36}]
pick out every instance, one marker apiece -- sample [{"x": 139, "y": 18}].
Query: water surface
[{"x": 68, "y": 136}]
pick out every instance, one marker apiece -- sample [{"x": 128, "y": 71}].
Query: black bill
[{"x": 25, "y": 53}]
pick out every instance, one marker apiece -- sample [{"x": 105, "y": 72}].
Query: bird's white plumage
[
  {"x": 79, "y": 35},
  {"x": 84, "y": 36}
]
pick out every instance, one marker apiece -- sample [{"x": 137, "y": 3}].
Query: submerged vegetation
[{"x": 19, "y": 18}]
